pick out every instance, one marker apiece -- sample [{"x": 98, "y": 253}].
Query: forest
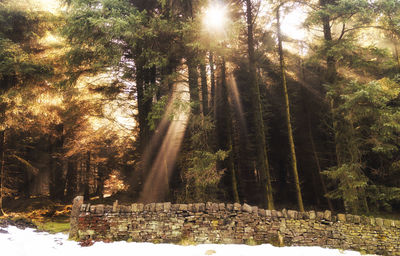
[{"x": 277, "y": 103}]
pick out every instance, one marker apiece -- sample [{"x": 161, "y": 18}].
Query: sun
[
  {"x": 215, "y": 17},
  {"x": 52, "y": 6}
]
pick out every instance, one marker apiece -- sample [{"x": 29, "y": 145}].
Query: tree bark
[
  {"x": 71, "y": 179},
  {"x": 204, "y": 88},
  {"x": 224, "y": 129},
  {"x": 2, "y": 177},
  {"x": 261, "y": 148},
  {"x": 396, "y": 50},
  {"x": 331, "y": 74},
  {"x": 288, "y": 117},
  {"x": 144, "y": 106},
  {"x": 194, "y": 86},
  {"x": 86, "y": 189},
  {"x": 56, "y": 180},
  {"x": 212, "y": 81},
  {"x": 100, "y": 180},
  {"x": 317, "y": 163}
]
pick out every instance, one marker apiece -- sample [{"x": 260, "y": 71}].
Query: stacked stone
[{"x": 236, "y": 223}]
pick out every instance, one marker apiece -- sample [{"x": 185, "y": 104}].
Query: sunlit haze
[
  {"x": 215, "y": 16},
  {"x": 291, "y": 21},
  {"x": 291, "y": 24},
  {"x": 52, "y": 6}
]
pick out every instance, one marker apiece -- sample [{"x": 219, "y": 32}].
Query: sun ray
[{"x": 157, "y": 181}]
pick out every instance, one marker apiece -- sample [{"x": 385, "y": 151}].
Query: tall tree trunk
[
  {"x": 397, "y": 53},
  {"x": 331, "y": 72},
  {"x": 2, "y": 177},
  {"x": 56, "y": 180},
  {"x": 193, "y": 86},
  {"x": 86, "y": 189},
  {"x": 212, "y": 81},
  {"x": 204, "y": 88},
  {"x": 288, "y": 117},
  {"x": 224, "y": 129},
  {"x": 144, "y": 106},
  {"x": 317, "y": 163},
  {"x": 261, "y": 148},
  {"x": 71, "y": 179},
  {"x": 100, "y": 180}
]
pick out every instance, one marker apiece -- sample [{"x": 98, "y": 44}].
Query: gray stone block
[
  {"x": 115, "y": 206},
  {"x": 202, "y": 207},
  {"x": 320, "y": 215},
  {"x": 100, "y": 209},
  {"x": 167, "y": 207},
  {"x": 372, "y": 221},
  {"x": 83, "y": 208},
  {"x": 292, "y": 214},
  {"x": 364, "y": 220},
  {"x": 247, "y": 208},
  {"x": 93, "y": 209},
  {"x": 341, "y": 217},
  {"x": 254, "y": 210},
  {"x": 214, "y": 207},
  {"x": 313, "y": 216},
  {"x": 350, "y": 218},
  {"x": 387, "y": 223},
  {"x": 303, "y": 215},
  {"x": 379, "y": 222},
  {"x": 108, "y": 209},
  {"x": 284, "y": 213},
  {"x": 327, "y": 215},
  {"x": 183, "y": 207}
]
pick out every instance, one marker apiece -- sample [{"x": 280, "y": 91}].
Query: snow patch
[{"x": 17, "y": 242}]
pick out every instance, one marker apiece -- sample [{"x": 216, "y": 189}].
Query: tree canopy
[{"x": 203, "y": 100}]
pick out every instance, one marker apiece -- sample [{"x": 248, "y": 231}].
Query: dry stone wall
[{"x": 233, "y": 223}]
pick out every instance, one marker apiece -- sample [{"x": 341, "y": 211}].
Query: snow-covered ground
[{"x": 17, "y": 242}]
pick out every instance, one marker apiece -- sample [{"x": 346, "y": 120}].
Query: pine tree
[
  {"x": 288, "y": 115},
  {"x": 261, "y": 149}
]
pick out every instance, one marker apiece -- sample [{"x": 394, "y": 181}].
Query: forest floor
[{"x": 39, "y": 213}]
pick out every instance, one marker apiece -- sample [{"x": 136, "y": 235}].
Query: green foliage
[
  {"x": 20, "y": 30},
  {"x": 200, "y": 174},
  {"x": 346, "y": 11},
  {"x": 383, "y": 196},
  {"x": 368, "y": 118},
  {"x": 157, "y": 112},
  {"x": 351, "y": 182},
  {"x": 96, "y": 31}
]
